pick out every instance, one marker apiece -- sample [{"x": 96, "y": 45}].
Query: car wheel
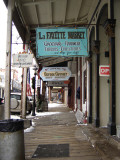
[{"x": 14, "y": 103}]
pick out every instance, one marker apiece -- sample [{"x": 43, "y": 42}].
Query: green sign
[{"x": 61, "y": 42}]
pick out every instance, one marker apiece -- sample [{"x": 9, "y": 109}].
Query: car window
[{"x": 18, "y": 97}]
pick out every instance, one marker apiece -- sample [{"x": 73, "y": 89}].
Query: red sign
[
  {"x": 104, "y": 70},
  {"x": 28, "y": 90}
]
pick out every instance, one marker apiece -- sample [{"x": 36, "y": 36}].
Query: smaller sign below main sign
[
  {"x": 104, "y": 70},
  {"x": 57, "y": 84},
  {"x": 22, "y": 60},
  {"x": 55, "y": 73}
]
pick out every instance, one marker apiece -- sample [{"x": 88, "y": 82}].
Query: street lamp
[{"x": 34, "y": 86}]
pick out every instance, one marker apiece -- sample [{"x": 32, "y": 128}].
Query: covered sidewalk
[{"x": 55, "y": 135}]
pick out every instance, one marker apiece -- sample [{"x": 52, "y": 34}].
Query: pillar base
[
  {"x": 97, "y": 122},
  {"x": 112, "y": 128},
  {"x": 90, "y": 119}
]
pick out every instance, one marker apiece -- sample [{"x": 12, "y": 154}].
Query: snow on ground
[
  {"x": 37, "y": 115},
  {"x": 15, "y": 117},
  {"x": 29, "y": 129},
  {"x": 55, "y": 105}
]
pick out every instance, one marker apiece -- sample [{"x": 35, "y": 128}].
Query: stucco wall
[
  {"x": 104, "y": 85},
  {"x": 103, "y": 80}
]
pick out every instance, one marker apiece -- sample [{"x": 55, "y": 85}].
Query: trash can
[{"x": 12, "y": 139}]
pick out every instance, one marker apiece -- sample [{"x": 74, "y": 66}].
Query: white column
[
  {"x": 66, "y": 96},
  {"x": 8, "y": 59},
  {"x": 88, "y": 86},
  {"x": 1, "y": 92},
  {"x": 24, "y": 93}
]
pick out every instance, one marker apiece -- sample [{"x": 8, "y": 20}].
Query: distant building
[{"x": 15, "y": 82}]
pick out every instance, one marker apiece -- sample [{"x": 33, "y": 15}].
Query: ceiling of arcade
[{"x": 30, "y": 14}]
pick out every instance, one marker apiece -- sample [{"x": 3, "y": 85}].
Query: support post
[
  {"x": 110, "y": 31},
  {"x": 34, "y": 103},
  {"x": 81, "y": 84},
  {"x": 89, "y": 81},
  {"x": 96, "y": 50},
  {"x": 24, "y": 102},
  {"x": 49, "y": 93},
  {"x": 88, "y": 90},
  {"x": 33, "y": 112},
  {"x": 97, "y": 120},
  {"x": 8, "y": 59},
  {"x": 24, "y": 93}
]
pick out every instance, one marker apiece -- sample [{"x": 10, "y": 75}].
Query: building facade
[{"x": 99, "y": 95}]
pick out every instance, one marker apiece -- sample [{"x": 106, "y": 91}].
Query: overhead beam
[
  {"x": 52, "y": 58},
  {"x": 78, "y": 8},
  {"x": 80, "y": 23},
  {"x": 17, "y": 21},
  {"x": 36, "y": 12},
  {"x": 42, "y": 60},
  {"x": 55, "y": 61},
  {"x": 18, "y": 5},
  {"x": 65, "y": 11},
  {"x": 51, "y": 12},
  {"x": 36, "y": 3}
]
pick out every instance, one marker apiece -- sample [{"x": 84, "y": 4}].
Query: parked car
[
  {"x": 30, "y": 99},
  {"x": 16, "y": 103},
  {"x": 1, "y": 100},
  {"x": 1, "y": 108}
]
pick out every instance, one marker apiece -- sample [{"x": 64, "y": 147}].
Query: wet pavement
[{"x": 55, "y": 135}]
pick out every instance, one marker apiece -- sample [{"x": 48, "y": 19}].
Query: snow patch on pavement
[{"x": 29, "y": 129}]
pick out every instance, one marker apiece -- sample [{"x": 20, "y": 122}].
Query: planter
[{"x": 42, "y": 106}]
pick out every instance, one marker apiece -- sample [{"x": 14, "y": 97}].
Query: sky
[
  {"x": 16, "y": 48},
  {"x": 3, "y": 29}
]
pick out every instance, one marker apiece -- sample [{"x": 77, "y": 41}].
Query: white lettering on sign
[{"x": 104, "y": 70}]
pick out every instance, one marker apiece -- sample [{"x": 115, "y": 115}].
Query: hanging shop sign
[
  {"x": 61, "y": 42},
  {"x": 55, "y": 73},
  {"x": 22, "y": 60},
  {"x": 104, "y": 70},
  {"x": 57, "y": 84}
]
